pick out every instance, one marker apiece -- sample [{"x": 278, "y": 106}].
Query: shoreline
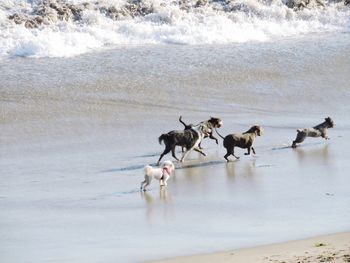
[{"x": 324, "y": 248}]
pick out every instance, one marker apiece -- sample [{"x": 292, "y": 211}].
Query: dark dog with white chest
[
  {"x": 211, "y": 124},
  {"x": 242, "y": 140},
  {"x": 190, "y": 139},
  {"x": 316, "y": 131}
]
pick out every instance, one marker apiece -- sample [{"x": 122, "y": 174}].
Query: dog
[
  {"x": 211, "y": 124},
  {"x": 317, "y": 131},
  {"x": 162, "y": 174},
  {"x": 190, "y": 139},
  {"x": 243, "y": 140}
]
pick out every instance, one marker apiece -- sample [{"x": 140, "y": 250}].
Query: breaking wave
[{"x": 58, "y": 28}]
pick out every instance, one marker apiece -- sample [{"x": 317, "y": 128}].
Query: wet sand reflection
[{"x": 157, "y": 208}]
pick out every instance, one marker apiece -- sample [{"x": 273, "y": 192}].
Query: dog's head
[
  {"x": 215, "y": 122},
  {"x": 169, "y": 166},
  {"x": 257, "y": 129},
  {"x": 330, "y": 123}
]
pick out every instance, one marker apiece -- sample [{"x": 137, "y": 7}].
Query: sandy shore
[{"x": 329, "y": 248}]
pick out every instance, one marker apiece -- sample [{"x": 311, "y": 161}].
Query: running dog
[
  {"x": 161, "y": 174},
  {"x": 211, "y": 124},
  {"x": 317, "y": 131},
  {"x": 190, "y": 139},
  {"x": 243, "y": 140}
]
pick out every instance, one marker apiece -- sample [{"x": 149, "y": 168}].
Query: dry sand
[{"x": 330, "y": 248}]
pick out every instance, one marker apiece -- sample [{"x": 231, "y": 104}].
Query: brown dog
[
  {"x": 242, "y": 140},
  {"x": 317, "y": 131}
]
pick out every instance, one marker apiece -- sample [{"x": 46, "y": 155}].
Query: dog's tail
[
  {"x": 162, "y": 137},
  {"x": 299, "y": 130},
  {"x": 219, "y": 133},
  {"x": 187, "y": 127},
  {"x": 180, "y": 120}
]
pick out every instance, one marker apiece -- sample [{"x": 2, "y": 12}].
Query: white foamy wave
[{"x": 54, "y": 28}]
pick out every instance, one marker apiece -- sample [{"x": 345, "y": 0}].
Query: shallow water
[{"x": 75, "y": 134}]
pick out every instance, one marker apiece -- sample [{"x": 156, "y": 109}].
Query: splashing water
[{"x": 54, "y": 28}]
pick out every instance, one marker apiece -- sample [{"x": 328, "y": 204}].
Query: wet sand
[
  {"x": 72, "y": 151},
  {"x": 331, "y": 248}
]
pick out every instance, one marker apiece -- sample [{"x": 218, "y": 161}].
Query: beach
[
  {"x": 79, "y": 124},
  {"x": 331, "y": 248},
  {"x": 72, "y": 154}
]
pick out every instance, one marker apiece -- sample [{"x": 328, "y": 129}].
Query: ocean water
[
  {"x": 73, "y": 27},
  {"x": 79, "y": 122}
]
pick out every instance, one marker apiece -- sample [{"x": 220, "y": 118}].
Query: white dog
[{"x": 162, "y": 174}]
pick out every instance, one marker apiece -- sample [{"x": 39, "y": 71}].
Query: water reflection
[
  {"x": 319, "y": 155},
  {"x": 237, "y": 168},
  {"x": 158, "y": 207}
]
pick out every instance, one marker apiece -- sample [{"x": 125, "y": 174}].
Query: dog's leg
[
  {"x": 173, "y": 153},
  {"x": 148, "y": 180},
  {"x": 166, "y": 151},
  {"x": 197, "y": 149},
  {"x": 300, "y": 138},
  {"x": 166, "y": 178},
  {"x": 230, "y": 152},
  {"x": 142, "y": 184},
  {"x": 200, "y": 145},
  {"x": 324, "y": 134},
  {"x": 147, "y": 184},
  {"x": 227, "y": 155},
  {"x": 185, "y": 154},
  {"x": 248, "y": 152},
  {"x": 233, "y": 153},
  {"x": 211, "y": 136},
  {"x": 253, "y": 150}
]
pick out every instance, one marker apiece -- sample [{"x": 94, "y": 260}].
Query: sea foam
[{"x": 53, "y": 28}]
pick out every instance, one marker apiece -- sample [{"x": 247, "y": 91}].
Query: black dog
[{"x": 190, "y": 139}]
